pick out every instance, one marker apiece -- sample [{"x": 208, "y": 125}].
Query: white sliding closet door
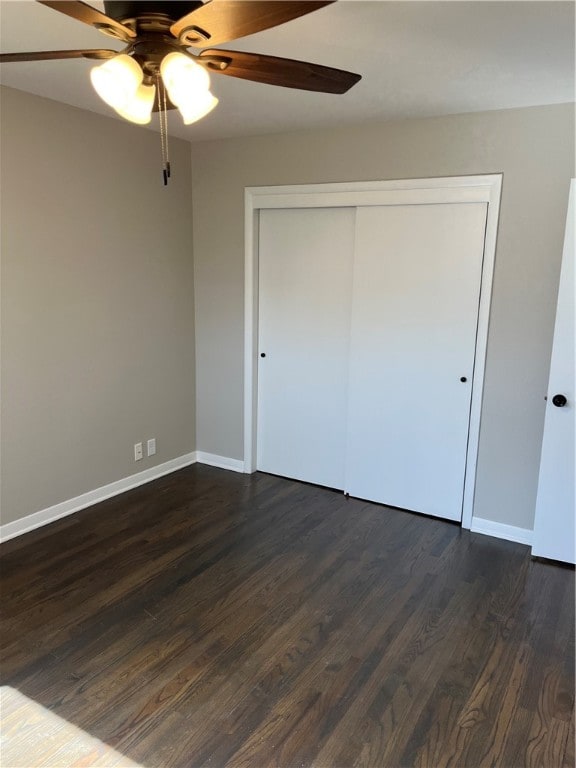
[
  {"x": 305, "y": 285},
  {"x": 417, "y": 274}
]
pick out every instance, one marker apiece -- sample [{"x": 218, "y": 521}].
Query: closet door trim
[{"x": 453, "y": 189}]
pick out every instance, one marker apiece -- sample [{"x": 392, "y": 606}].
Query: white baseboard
[
  {"x": 502, "y": 531},
  {"x": 65, "y": 508},
  {"x": 50, "y": 514},
  {"x": 223, "y": 462}
]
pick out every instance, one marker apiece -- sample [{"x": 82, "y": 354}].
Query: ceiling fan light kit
[
  {"x": 119, "y": 82},
  {"x": 156, "y": 72}
]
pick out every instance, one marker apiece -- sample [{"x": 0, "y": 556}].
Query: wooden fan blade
[
  {"x": 88, "y": 15},
  {"x": 223, "y": 20},
  {"x": 276, "y": 71},
  {"x": 89, "y": 53}
]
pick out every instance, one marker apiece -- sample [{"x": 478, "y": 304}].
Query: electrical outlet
[
  {"x": 137, "y": 451},
  {"x": 151, "y": 446}
]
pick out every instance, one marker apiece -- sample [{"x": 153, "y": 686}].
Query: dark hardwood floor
[{"x": 217, "y": 619}]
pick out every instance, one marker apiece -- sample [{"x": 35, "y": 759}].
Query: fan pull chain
[{"x": 163, "y": 115}]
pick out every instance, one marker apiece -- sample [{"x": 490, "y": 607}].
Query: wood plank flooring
[{"x": 218, "y": 619}]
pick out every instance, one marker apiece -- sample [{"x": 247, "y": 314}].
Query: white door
[
  {"x": 305, "y": 283},
  {"x": 417, "y": 276},
  {"x": 554, "y": 528}
]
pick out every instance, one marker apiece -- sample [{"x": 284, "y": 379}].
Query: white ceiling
[{"x": 416, "y": 59}]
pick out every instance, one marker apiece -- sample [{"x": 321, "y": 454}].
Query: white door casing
[
  {"x": 472, "y": 189},
  {"x": 554, "y": 524}
]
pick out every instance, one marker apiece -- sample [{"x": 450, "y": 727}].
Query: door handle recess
[{"x": 559, "y": 401}]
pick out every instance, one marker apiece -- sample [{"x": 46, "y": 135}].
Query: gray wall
[
  {"x": 97, "y": 285},
  {"x": 97, "y": 302},
  {"x": 534, "y": 148}
]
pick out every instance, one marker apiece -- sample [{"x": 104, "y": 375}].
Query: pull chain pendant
[{"x": 163, "y": 115}]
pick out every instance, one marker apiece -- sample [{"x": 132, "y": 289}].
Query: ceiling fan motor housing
[{"x": 132, "y": 9}]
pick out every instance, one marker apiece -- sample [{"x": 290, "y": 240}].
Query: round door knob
[
  {"x": 559, "y": 401},
  {"x": 262, "y": 354},
  {"x": 463, "y": 379}
]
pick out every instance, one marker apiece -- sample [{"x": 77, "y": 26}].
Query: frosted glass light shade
[
  {"x": 117, "y": 80},
  {"x": 183, "y": 78},
  {"x": 197, "y": 107},
  {"x": 138, "y": 109}
]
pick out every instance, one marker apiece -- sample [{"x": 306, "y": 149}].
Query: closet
[{"x": 366, "y": 347}]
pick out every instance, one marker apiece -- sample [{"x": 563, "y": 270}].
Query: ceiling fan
[{"x": 156, "y": 71}]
